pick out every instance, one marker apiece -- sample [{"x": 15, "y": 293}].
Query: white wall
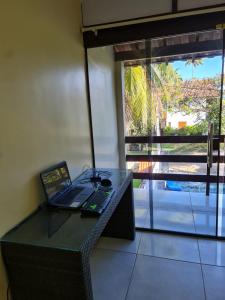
[
  {"x": 119, "y": 69},
  {"x": 173, "y": 119},
  {"x": 103, "y": 106},
  {"x": 108, "y": 11},
  {"x": 190, "y": 4},
  {"x": 43, "y": 104}
]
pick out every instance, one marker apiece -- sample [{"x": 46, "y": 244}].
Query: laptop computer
[{"x": 59, "y": 189}]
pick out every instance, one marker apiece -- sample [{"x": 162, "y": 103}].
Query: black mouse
[{"x": 106, "y": 182}]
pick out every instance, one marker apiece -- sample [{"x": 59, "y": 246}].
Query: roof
[
  {"x": 167, "y": 49},
  {"x": 200, "y": 89}
]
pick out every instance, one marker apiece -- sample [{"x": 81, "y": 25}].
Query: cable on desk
[
  {"x": 94, "y": 176},
  {"x": 104, "y": 173},
  {"x": 8, "y": 290}
]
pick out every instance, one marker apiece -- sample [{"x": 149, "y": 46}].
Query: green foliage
[
  {"x": 223, "y": 118},
  {"x": 205, "y": 108},
  {"x": 194, "y": 62},
  {"x": 150, "y": 90},
  {"x": 166, "y": 85},
  {"x": 136, "y": 183},
  {"x": 137, "y": 100},
  {"x": 187, "y": 148},
  {"x": 197, "y": 129}
]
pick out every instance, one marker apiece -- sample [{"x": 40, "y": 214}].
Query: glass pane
[
  {"x": 136, "y": 92},
  {"x": 170, "y": 168},
  {"x": 180, "y": 148},
  {"x": 172, "y": 89},
  {"x": 180, "y": 168},
  {"x": 185, "y": 86},
  {"x": 141, "y": 202},
  {"x": 140, "y": 167},
  {"x": 221, "y": 187},
  {"x": 137, "y": 149},
  {"x": 185, "y": 97},
  {"x": 184, "y": 207},
  {"x": 221, "y": 193}
]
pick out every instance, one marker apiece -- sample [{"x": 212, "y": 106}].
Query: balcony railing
[{"x": 151, "y": 158}]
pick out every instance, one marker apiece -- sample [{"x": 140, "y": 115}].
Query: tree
[
  {"x": 194, "y": 62},
  {"x": 150, "y": 90},
  {"x": 165, "y": 86},
  {"x": 201, "y": 99},
  {"x": 136, "y": 100}
]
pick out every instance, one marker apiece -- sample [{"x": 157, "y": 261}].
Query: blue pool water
[{"x": 197, "y": 187}]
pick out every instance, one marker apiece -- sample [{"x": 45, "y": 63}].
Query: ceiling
[{"x": 167, "y": 49}]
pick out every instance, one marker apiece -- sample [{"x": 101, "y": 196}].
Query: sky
[{"x": 210, "y": 68}]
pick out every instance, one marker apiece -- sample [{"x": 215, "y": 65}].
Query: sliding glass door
[
  {"x": 175, "y": 132},
  {"x": 186, "y": 97},
  {"x": 221, "y": 164},
  {"x": 174, "y": 124}
]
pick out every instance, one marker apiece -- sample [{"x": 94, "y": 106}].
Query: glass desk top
[{"x": 64, "y": 229}]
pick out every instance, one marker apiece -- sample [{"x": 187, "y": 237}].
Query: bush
[{"x": 197, "y": 129}]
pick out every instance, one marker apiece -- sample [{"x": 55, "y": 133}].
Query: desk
[{"x": 47, "y": 255}]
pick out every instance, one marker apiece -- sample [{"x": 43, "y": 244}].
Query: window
[{"x": 182, "y": 124}]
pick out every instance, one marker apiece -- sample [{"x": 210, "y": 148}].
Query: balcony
[
  {"x": 178, "y": 192},
  {"x": 189, "y": 212}
]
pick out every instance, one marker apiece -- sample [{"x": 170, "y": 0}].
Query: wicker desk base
[{"x": 39, "y": 273}]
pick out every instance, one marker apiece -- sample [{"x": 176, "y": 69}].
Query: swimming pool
[{"x": 197, "y": 187}]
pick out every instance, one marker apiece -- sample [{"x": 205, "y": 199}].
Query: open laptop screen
[{"x": 56, "y": 180}]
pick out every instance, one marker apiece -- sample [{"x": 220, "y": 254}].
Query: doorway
[{"x": 175, "y": 126}]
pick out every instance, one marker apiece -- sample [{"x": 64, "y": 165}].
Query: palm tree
[
  {"x": 136, "y": 99},
  {"x": 150, "y": 90},
  {"x": 194, "y": 62}
]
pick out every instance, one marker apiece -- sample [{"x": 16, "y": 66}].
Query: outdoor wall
[
  {"x": 173, "y": 119},
  {"x": 103, "y": 105},
  {"x": 43, "y": 105},
  {"x": 107, "y": 11}
]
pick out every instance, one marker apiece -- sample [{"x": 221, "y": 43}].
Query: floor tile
[
  {"x": 161, "y": 198},
  {"x": 141, "y": 204},
  {"x": 173, "y": 220},
  {"x": 120, "y": 244},
  {"x": 168, "y": 199},
  {"x": 141, "y": 198},
  {"x": 171, "y": 197},
  {"x": 111, "y": 273},
  {"x": 169, "y": 246},
  {"x": 200, "y": 201},
  {"x": 140, "y": 216},
  {"x": 170, "y": 207},
  {"x": 164, "y": 279},
  {"x": 212, "y": 252},
  {"x": 214, "y": 278},
  {"x": 205, "y": 222}
]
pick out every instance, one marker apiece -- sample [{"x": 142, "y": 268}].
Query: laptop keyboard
[
  {"x": 68, "y": 198},
  {"x": 97, "y": 203}
]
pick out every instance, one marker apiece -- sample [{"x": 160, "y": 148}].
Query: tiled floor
[
  {"x": 178, "y": 211},
  {"x": 158, "y": 267}
]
